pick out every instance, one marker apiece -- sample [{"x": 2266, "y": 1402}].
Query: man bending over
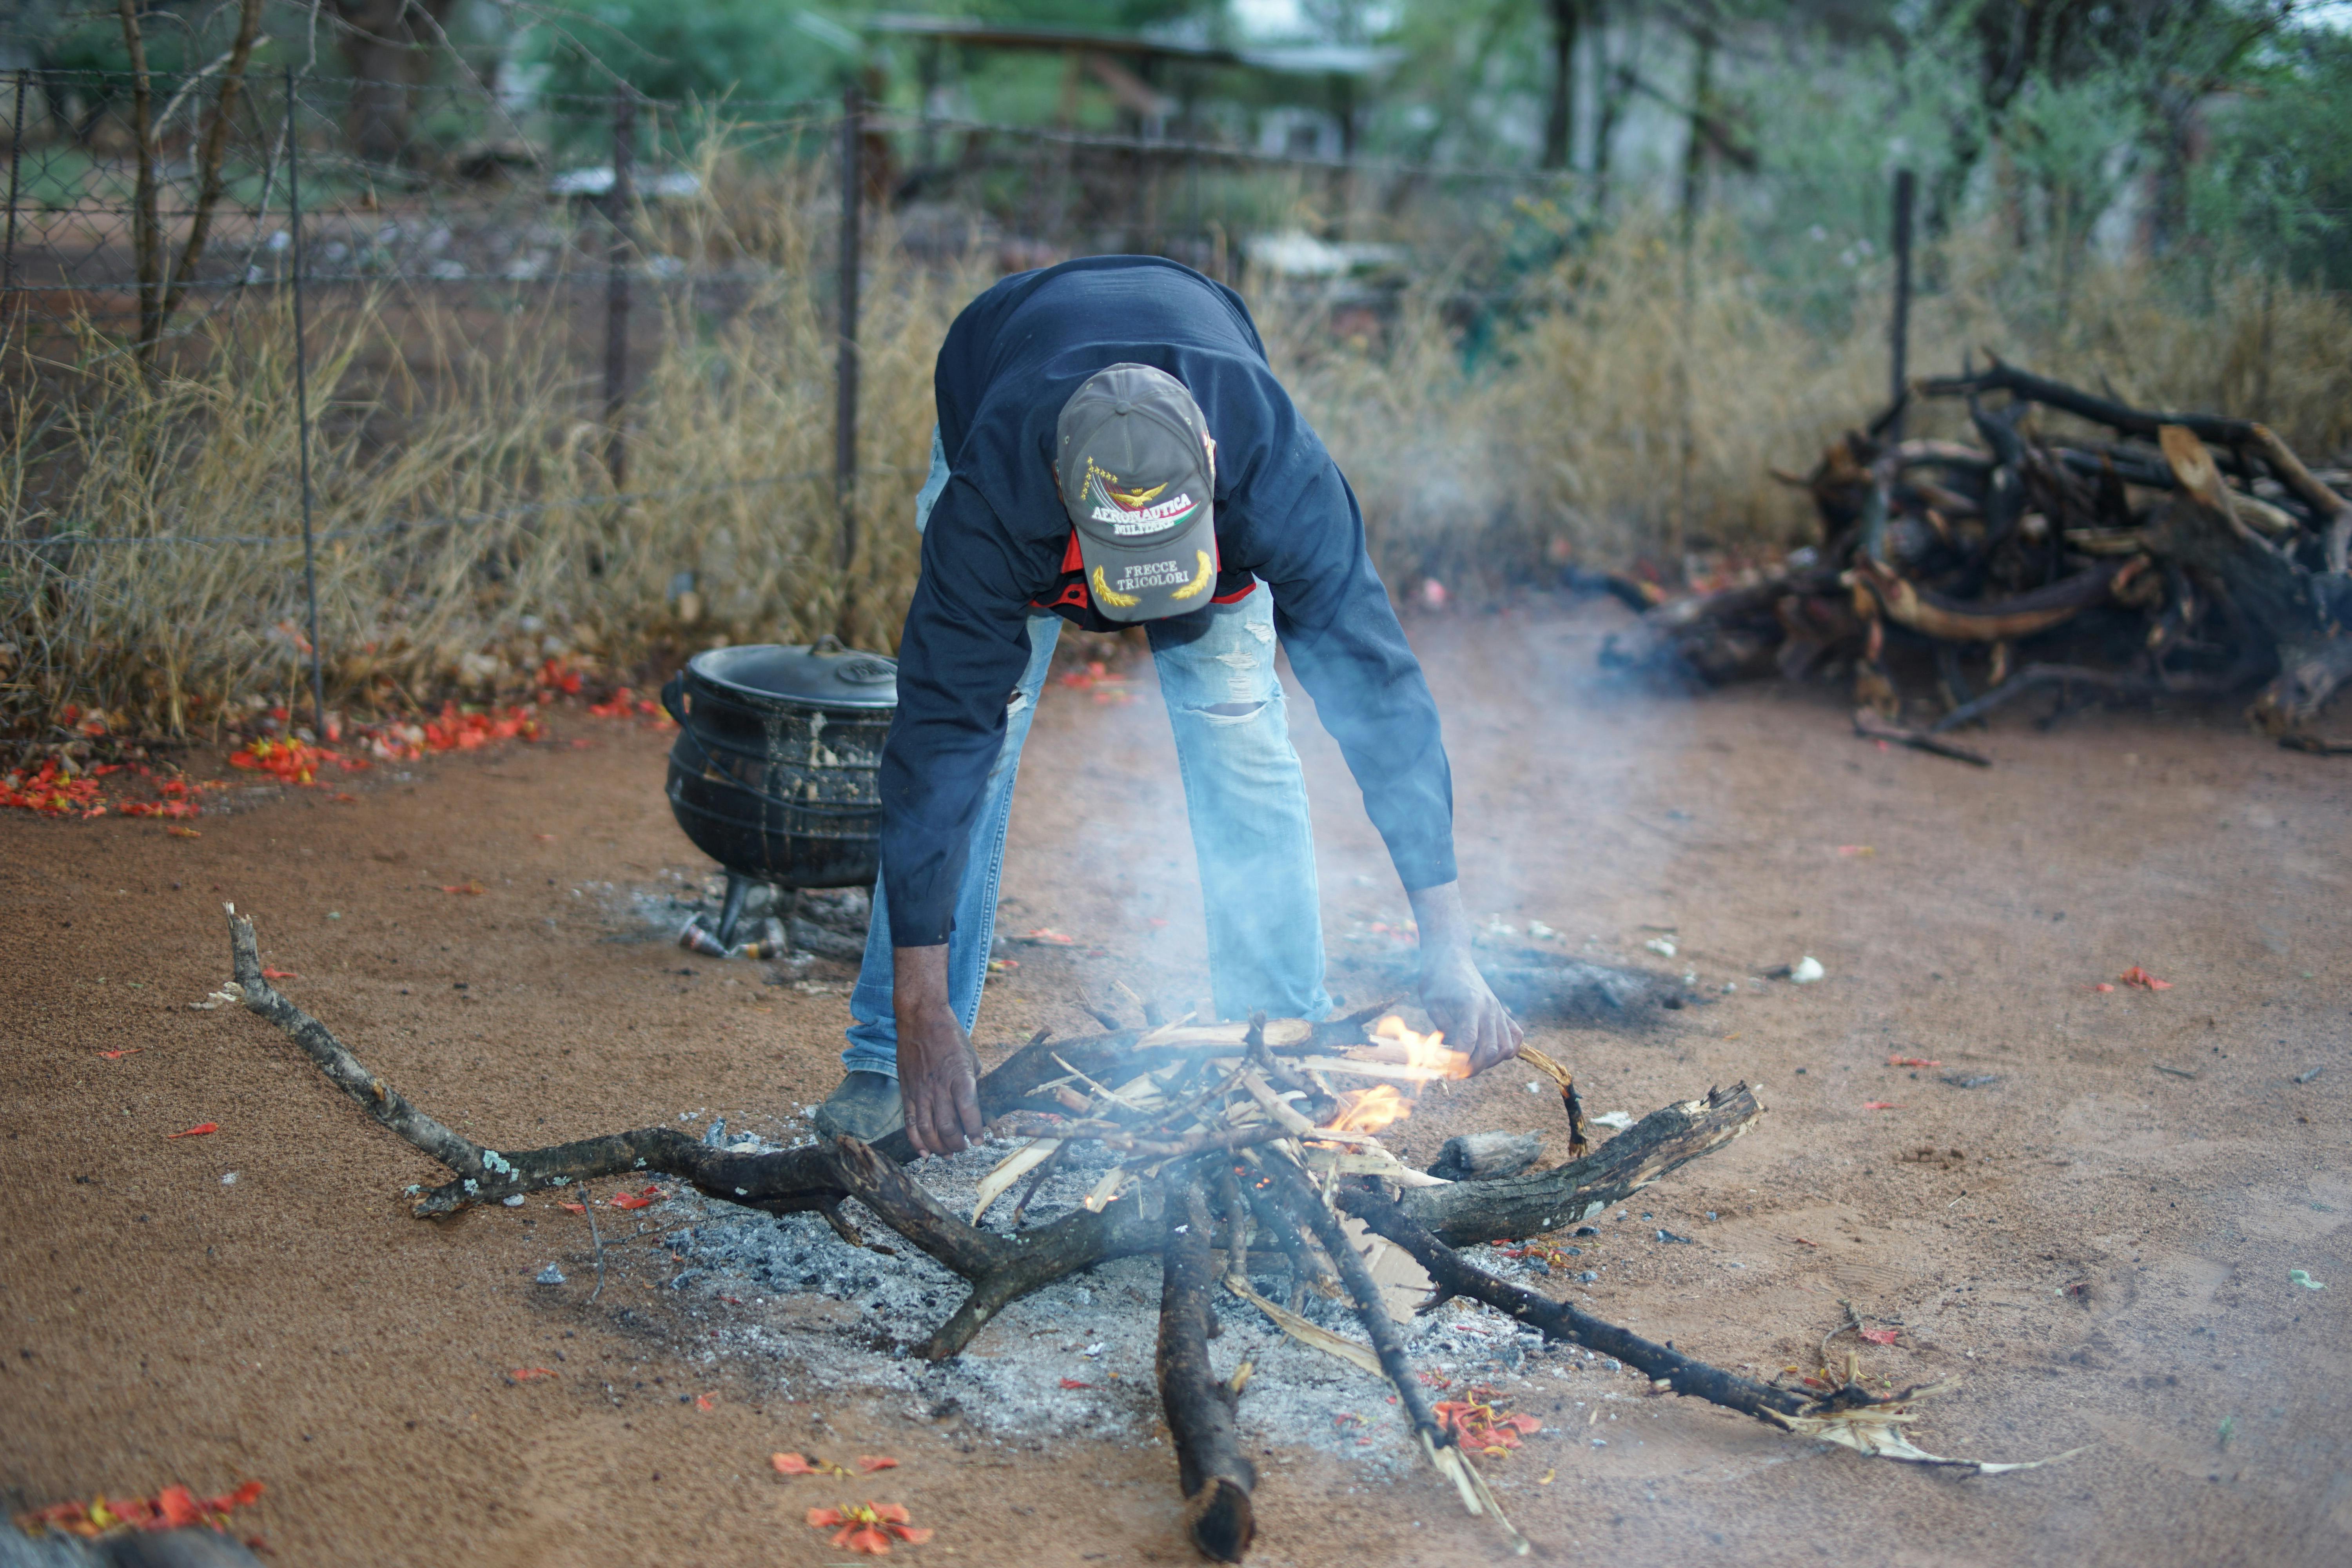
[{"x": 1112, "y": 449}]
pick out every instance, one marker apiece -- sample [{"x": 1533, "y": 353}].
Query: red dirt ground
[{"x": 2105, "y": 1263}]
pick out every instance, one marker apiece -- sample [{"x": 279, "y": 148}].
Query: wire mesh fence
[{"x": 578, "y": 374}]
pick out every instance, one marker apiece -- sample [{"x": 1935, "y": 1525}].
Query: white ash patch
[{"x": 833, "y": 1319}]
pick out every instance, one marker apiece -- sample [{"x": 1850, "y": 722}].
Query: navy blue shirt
[{"x": 995, "y": 548}]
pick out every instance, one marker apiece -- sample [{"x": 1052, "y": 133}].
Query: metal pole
[
  {"x": 16, "y": 171},
  {"x": 1899, "y": 331},
  {"x": 845, "y": 429},
  {"x": 302, "y": 408},
  {"x": 623, "y": 198}
]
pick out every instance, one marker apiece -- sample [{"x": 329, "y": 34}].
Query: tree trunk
[
  {"x": 210, "y": 153},
  {"x": 146, "y": 226},
  {"x": 389, "y": 45},
  {"x": 1560, "y": 118}
]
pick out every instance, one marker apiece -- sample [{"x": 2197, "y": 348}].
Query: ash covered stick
[
  {"x": 1215, "y": 1477},
  {"x": 1306, "y": 1208},
  {"x": 1563, "y": 1321},
  {"x": 328, "y": 1053},
  {"x": 1237, "y": 1223},
  {"x": 1257, "y": 1191}
]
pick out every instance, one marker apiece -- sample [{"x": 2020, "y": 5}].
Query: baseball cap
[{"x": 1132, "y": 454}]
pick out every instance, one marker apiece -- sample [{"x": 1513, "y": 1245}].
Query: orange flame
[
  {"x": 1369, "y": 1110},
  {"x": 1398, "y": 1044}
]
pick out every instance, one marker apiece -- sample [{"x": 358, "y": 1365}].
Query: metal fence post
[
  {"x": 622, "y": 200},
  {"x": 16, "y": 171},
  {"x": 845, "y": 429},
  {"x": 302, "y": 408},
  {"x": 1898, "y": 330}
]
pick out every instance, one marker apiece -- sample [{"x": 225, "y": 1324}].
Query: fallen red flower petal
[
  {"x": 1878, "y": 1336},
  {"x": 704, "y": 1402},
  {"x": 198, "y": 1130},
  {"x": 125, "y": 1051},
  {"x": 174, "y": 1507},
  {"x": 1912, "y": 1062},
  {"x": 2102, "y": 985},
  {"x": 870, "y": 1463},
  {"x": 1880, "y": 1105},
  {"x": 1073, "y": 1382},
  {"x": 530, "y": 1374},
  {"x": 468, "y": 889},
  {"x": 176, "y": 831},
  {"x": 279, "y": 974},
  {"x": 2140, "y": 979},
  {"x": 573, "y": 1208}
]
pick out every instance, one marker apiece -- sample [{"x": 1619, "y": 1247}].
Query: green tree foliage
[
  {"x": 2276, "y": 185},
  {"x": 760, "y": 50}
]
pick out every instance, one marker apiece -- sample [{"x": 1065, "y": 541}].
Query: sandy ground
[{"x": 2103, "y": 1262}]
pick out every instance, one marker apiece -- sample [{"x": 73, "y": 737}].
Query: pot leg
[{"x": 737, "y": 886}]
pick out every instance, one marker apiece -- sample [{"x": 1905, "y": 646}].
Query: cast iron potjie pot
[{"x": 773, "y": 774}]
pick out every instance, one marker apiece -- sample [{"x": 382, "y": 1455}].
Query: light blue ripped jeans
[{"x": 1243, "y": 788}]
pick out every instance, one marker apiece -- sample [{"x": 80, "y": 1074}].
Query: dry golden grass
[
  {"x": 1590, "y": 438},
  {"x": 1625, "y": 418}
]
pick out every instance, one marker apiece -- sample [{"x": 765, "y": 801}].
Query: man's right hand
[{"x": 937, "y": 1069}]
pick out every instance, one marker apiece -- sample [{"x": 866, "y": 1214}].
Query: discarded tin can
[{"x": 696, "y": 936}]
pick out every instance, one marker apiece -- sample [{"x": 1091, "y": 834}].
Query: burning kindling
[{"x": 1227, "y": 1138}]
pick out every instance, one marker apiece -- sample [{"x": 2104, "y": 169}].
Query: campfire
[{"x": 1225, "y": 1139}]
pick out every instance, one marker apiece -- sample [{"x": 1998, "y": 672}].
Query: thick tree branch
[
  {"x": 1213, "y": 1475},
  {"x": 1563, "y": 1319},
  {"x": 1466, "y": 1212}
]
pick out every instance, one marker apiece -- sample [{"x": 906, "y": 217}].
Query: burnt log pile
[
  {"x": 2111, "y": 555},
  {"x": 1226, "y": 1138}
]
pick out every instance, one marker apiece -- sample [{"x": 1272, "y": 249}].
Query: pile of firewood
[
  {"x": 1227, "y": 1137},
  {"x": 2164, "y": 556}
]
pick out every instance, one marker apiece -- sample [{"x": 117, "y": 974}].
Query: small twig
[
  {"x": 2177, "y": 1072},
  {"x": 589, "y": 1209},
  {"x": 1853, "y": 1321},
  {"x": 1871, "y": 727},
  {"x": 1037, "y": 1179},
  {"x": 1237, "y": 1223}
]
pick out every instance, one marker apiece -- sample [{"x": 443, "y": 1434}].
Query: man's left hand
[{"x": 1455, "y": 995}]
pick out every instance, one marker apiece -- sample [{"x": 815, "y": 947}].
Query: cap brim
[{"x": 1172, "y": 576}]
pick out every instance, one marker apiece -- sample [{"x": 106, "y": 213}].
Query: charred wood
[
  {"x": 1540, "y": 1201},
  {"x": 1486, "y": 1156},
  {"x": 1562, "y": 1320},
  {"x": 1214, "y": 1476}
]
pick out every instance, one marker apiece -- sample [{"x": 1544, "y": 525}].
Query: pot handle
[{"x": 673, "y": 698}]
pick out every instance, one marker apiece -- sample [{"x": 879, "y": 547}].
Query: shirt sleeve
[
  {"x": 960, "y": 657},
  {"x": 1347, "y": 649}
]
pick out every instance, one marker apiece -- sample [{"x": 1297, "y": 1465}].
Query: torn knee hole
[{"x": 1230, "y": 710}]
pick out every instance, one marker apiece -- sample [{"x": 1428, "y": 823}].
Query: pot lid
[{"x": 824, "y": 672}]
